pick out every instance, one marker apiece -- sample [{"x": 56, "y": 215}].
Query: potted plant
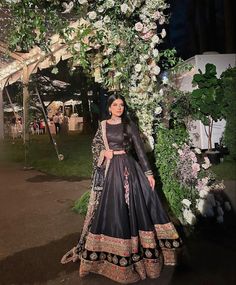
[{"x": 208, "y": 104}]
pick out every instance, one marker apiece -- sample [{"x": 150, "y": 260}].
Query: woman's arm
[{"x": 139, "y": 148}]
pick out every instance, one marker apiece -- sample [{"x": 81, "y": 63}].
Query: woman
[{"x": 127, "y": 236}]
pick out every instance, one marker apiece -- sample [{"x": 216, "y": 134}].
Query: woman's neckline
[{"x": 113, "y": 124}]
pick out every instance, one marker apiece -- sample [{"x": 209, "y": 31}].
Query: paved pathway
[{"x": 37, "y": 226}]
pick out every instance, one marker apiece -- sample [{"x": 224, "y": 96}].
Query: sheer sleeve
[
  {"x": 139, "y": 148},
  {"x": 98, "y": 147}
]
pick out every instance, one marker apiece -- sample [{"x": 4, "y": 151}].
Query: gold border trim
[
  {"x": 118, "y": 246},
  {"x": 130, "y": 274},
  {"x": 166, "y": 231}
]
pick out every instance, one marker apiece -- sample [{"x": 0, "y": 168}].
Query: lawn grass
[
  {"x": 225, "y": 170},
  {"x": 75, "y": 147}
]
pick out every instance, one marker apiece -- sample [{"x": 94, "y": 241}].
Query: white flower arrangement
[
  {"x": 195, "y": 177},
  {"x": 82, "y": 2}
]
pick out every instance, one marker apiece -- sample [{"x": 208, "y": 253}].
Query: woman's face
[{"x": 117, "y": 108}]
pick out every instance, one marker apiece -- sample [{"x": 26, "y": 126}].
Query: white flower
[
  {"x": 220, "y": 219},
  {"x": 124, "y": 8},
  {"x": 138, "y": 67},
  {"x": 204, "y": 208},
  {"x": 106, "y": 19},
  {"x": 158, "y": 110},
  {"x": 100, "y": 9},
  {"x": 155, "y": 52},
  {"x": 77, "y": 46},
  {"x": 163, "y": 33},
  {"x": 161, "y": 92},
  {"x": 186, "y": 202},
  {"x": 227, "y": 206},
  {"x": 68, "y": 7},
  {"x": 200, "y": 205},
  {"x": 155, "y": 39},
  {"x": 197, "y": 150},
  {"x": 108, "y": 51},
  {"x": 156, "y": 15},
  {"x": 152, "y": 45},
  {"x": 83, "y": 2},
  {"x": 189, "y": 216},
  {"x": 110, "y": 3},
  {"x": 138, "y": 27},
  {"x": 193, "y": 156},
  {"x": 207, "y": 163},
  {"x": 205, "y": 180},
  {"x": 180, "y": 152},
  {"x": 151, "y": 143},
  {"x": 92, "y": 15},
  {"x": 196, "y": 167},
  {"x": 156, "y": 70},
  {"x": 203, "y": 193},
  {"x": 175, "y": 145},
  {"x": 152, "y": 26},
  {"x": 13, "y": 1},
  {"x": 162, "y": 20},
  {"x": 117, "y": 74},
  {"x": 141, "y": 58},
  {"x": 98, "y": 24},
  {"x": 206, "y": 188},
  {"x": 154, "y": 78}
]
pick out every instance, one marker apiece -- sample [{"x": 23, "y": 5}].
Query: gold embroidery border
[
  {"x": 130, "y": 274},
  {"x": 166, "y": 231},
  {"x": 118, "y": 246},
  {"x": 125, "y": 247},
  {"x": 147, "y": 239}
]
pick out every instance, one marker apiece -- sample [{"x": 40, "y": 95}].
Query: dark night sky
[{"x": 197, "y": 26}]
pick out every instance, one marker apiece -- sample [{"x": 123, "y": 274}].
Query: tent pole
[
  {"x": 26, "y": 97},
  {"x": 59, "y": 156}
]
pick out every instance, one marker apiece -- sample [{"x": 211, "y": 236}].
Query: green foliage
[
  {"x": 207, "y": 100},
  {"x": 32, "y": 21},
  {"x": 168, "y": 59},
  {"x": 166, "y": 162},
  {"x": 229, "y": 86},
  {"x": 81, "y": 205}
]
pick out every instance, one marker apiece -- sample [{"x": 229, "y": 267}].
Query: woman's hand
[
  {"x": 108, "y": 154},
  {"x": 151, "y": 181}
]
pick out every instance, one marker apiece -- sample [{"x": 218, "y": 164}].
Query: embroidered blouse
[{"x": 115, "y": 138}]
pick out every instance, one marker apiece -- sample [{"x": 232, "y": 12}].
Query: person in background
[{"x": 56, "y": 121}]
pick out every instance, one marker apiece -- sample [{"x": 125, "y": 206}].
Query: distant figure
[
  {"x": 65, "y": 125},
  {"x": 56, "y": 121},
  {"x": 35, "y": 127},
  {"x": 42, "y": 126}
]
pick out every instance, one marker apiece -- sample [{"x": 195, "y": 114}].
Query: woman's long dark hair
[{"x": 124, "y": 117}]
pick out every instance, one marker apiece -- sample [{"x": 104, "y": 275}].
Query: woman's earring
[{"x": 110, "y": 113}]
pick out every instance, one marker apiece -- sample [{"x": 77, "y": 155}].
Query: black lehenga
[{"x": 130, "y": 236}]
